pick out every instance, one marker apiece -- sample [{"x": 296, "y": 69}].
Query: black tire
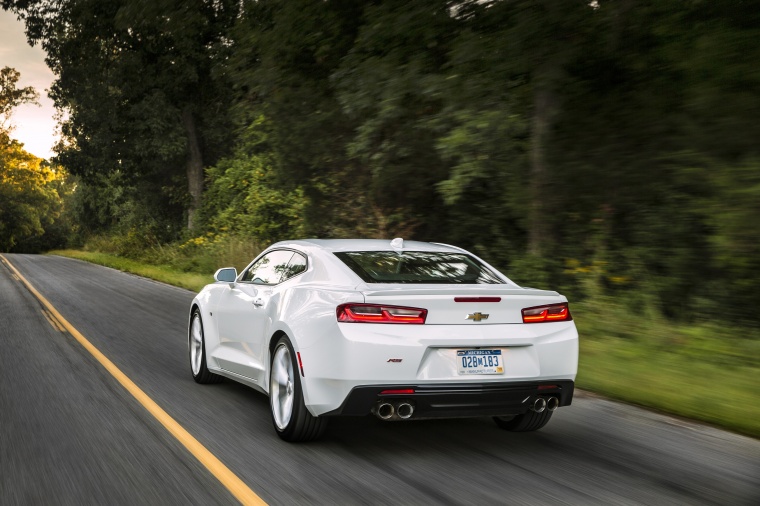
[
  {"x": 300, "y": 425},
  {"x": 527, "y": 422},
  {"x": 196, "y": 344}
]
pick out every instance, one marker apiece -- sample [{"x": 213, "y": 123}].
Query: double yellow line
[{"x": 221, "y": 472}]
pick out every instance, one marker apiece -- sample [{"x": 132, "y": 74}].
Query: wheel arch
[
  {"x": 193, "y": 307},
  {"x": 273, "y": 341},
  {"x": 278, "y": 334}
]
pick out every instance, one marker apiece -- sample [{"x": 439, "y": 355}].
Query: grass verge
[
  {"x": 704, "y": 371},
  {"x": 163, "y": 273},
  {"x": 723, "y": 396}
]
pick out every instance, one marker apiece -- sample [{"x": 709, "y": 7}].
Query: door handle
[{"x": 258, "y": 302}]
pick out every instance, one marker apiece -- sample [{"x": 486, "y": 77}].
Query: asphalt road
[{"x": 71, "y": 434}]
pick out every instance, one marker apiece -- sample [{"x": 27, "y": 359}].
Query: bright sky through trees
[{"x": 35, "y": 126}]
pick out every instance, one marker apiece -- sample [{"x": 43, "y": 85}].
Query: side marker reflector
[{"x": 300, "y": 364}]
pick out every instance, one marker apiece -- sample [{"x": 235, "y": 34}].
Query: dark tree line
[{"x": 609, "y": 146}]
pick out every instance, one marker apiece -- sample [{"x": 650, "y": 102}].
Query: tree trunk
[
  {"x": 543, "y": 113},
  {"x": 194, "y": 167}
]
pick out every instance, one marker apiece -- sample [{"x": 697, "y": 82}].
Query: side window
[
  {"x": 296, "y": 266},
  {"x": 269, "y": 269}
]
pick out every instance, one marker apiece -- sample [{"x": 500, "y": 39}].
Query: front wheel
[
  {"x": 291, "y": 419},
  {"x": 527, "y": 422},
  {"x": 197, "y": 349}
]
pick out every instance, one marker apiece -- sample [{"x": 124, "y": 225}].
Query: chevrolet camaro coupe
[{"x": 398, "y": 329}]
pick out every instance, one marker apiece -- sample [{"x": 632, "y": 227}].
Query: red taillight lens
[
  {"x": 373, "y": 313},
  {"x": 548, "y": 313}
]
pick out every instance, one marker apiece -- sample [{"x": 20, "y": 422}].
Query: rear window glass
[{"x": 418, "y": 267}]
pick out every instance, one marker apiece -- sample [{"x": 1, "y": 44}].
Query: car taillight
[
  {"x": 548, "y": 313},
  {"x": 376, "y": 313}
]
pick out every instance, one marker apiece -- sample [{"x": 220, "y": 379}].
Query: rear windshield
[{"x": 418, "y": 267}]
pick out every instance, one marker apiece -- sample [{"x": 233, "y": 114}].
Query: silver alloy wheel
[
  {"x": 196, "y": 344},
  {"x": 281, "y": 387}
]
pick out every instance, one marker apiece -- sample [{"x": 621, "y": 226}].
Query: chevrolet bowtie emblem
[{"x": 477, "y": 317}]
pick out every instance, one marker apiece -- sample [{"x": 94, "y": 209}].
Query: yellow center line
[{"x": 235, "y": 485}]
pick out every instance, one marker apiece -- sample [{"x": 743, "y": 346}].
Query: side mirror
[{"x": 226, "y": 275}]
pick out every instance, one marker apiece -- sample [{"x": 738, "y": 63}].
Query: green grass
[
  {"x": 163, "y": 273},
  {"x": 703, "y": 371},
  {"x": 669, "y": 382}
]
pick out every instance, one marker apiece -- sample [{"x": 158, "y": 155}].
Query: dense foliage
[
  {"x": 29, "y": 198},
  {"x": 605, "y": 147},
  {"x": 31, "y": 191}
]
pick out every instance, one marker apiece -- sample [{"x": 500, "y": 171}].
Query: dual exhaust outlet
[
  {"x": 544, "y": 403},
  {"x": 403, "y": 410},
  {"x": 385, "y": 410}
]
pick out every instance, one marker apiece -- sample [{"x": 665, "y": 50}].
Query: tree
[
  {"x": 28, "y": 199},
  {"x": 282, "y": 57},
  {"x": 12, "y": 96},
  {"x": 392, "y": 86},
  {"x": 136, "y": 80}
]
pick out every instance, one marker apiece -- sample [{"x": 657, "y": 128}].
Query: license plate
[{"x": 479, "y": 362}]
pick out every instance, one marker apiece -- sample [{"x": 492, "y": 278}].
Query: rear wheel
[
  {"x": 291, "y": 419},
  {"x": 197, "y": 349},
  {"x": 527, "y": 422}
]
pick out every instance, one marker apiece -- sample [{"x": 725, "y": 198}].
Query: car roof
[{"x": 338, "y": 245}]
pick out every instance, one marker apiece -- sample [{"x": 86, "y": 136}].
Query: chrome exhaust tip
[
  {"x": 539, "y": 405},
  {"x": 384, "y": 410},
  {"x": 405, "y": 410},
  {"x": 552, "y": 404}
]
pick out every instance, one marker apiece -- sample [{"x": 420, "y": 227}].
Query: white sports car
[{"x": 398, "y": 329}]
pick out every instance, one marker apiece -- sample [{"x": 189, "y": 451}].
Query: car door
[{"x": 244, "y": 316}]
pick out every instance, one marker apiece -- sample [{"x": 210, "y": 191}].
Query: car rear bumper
[{"x": 456, "y": 399}]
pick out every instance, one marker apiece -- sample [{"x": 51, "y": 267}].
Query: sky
[{"x": 35, "y": 126}]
